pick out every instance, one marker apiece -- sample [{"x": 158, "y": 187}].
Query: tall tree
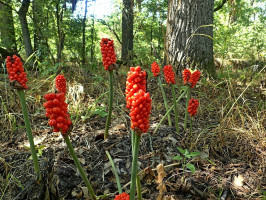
[
  {"x": 127, "y": 30},
  {"x": 24, "y": 26},
  {"x": 8, "y": 38},
  {"x": 83, "y": 50},
  {"x": 189, "y": 34}
]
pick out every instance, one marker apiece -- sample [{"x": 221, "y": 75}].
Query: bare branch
[{"x": 104, "y": 23}]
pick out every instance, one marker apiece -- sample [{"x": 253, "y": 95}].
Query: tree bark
[
  {"x": 189, "y": 34},
  {"x": 24, "y": 26},
  {"x": 83, "y": 34},
  {"x": 127, "y": 30},
  {"x": 7, "y": 30},
  {"x": 60, "y": 32}
]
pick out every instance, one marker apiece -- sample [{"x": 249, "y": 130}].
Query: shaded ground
[{"x": 231, "y": 165}]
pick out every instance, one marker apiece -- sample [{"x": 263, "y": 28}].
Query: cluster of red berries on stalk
[
  {"x": 192, "y": 78},
  {"x": 16, "y": 71},
  {"x": 193, "y": 105},
  {"x": 140, "y": 111},
  {"x": 169, "y": 74},
  {"x": 136, "y": 80},
  {"x": 60, "y": 83},
  {"x": 138, "y": 101},
  {"x": 56, "y": 107},
  {"x": 155, "y": 69},
  {"x": 108, "y": 52},
  {"x": 56, "y": 110},
  {"x": 123, "y": 196}
]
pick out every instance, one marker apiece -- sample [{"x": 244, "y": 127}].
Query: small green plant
[{"x": 185, "y": 157}]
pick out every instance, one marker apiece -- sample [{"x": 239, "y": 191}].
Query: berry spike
[
  {"x": 16, "y": 72},
  {"x": 193, "y": 106},
  {"x": 108, "y": 53},
  {"x": 169, "y": 74},
  {"x": 155, "y": 69},
  {"x": 60, "y": 83}
]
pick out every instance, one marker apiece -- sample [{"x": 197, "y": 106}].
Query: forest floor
[{"x": 229, "y": 131}]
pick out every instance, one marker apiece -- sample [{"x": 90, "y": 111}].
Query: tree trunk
[
  {"x": 60, "y": 32},
  {"x": 8, "y": 38},
  {"x": 83, "y": 34},
  {"x": 24, "y": 26},
  {"x": 189, "y": 34},
  {"x": 127, "y": 31},
  {"x": 92, "y": 38}
]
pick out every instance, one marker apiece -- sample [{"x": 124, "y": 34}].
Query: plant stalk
[
  {"x": 22, "y": 98},
  {"x": 168, "y": 112},
  {"x": 164, "y": 100},
  {"x": 190, "y": 128},
  {"x": 186, "y": 112},
  {"x": 134, "y": 170},
  {"x": 78, "y": 165},
  {"x": 138, "y": 188},
  {"x": 175, "y": 108},
  {"x": 110, "y": 103},
  {"x": 115, "y": 172}
]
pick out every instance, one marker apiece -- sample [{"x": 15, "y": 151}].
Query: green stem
[
  {"x": 110, "y": 103},
  {"x": 168, "y": 112},
  {"x": 165, "y": 100},
  {"x": 186, "y": 112},
  {"x": 22, "y": 98},
  {"x": 134, "y": 170},
  {"x": 190, "y": 128},
  {"x": 78, "y": 165},
  {"x": 175, "y": 108},
  {"x": 132, "y": 140},
  {"x": 138, "y": 188},
  {"x": 115, "y": 172}
]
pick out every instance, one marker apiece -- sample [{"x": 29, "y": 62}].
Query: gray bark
[
  {"x": 187, "y": 42},
  {"x": 24, "y": 26},
  {"x": 127, "y": 30}
]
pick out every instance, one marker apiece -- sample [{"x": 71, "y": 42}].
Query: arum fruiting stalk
[
  {"x": 138, "y": 188},
  {"x": 186, "y": 112},
  {"x": 175, "y": 108},
  {"x": 165, "y": 100},
  {"x": 78, "y": 165},
  {"x": 21, "y": 95},
  {"x": 190, "y": 127},
  {"x": 168, "y": 112},
  {"x": 110, "y": 102},
  {"x": 115, "y": 172},
  {"x": 134, "y": 170}
]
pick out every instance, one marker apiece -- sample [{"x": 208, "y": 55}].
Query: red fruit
[
  {"x": 108, "y": 52},
  {"x": 186, "y": 75},
  {"x": 139, "y": 112},
  {"x": 155, "y": 69},
  {"x": 60, "y": 83},
  {"x": 169, "y": 74},
  {"x": 193, "y": 105},
  {"x": 15, "y": 70},
  {"x": 194, "y": 78},
  {"x": 123, "y": 196},
  {"x": 136, "y": 80}
]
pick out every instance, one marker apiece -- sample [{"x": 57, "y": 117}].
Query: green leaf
[
  {"x": 181, "y": 150},
  {"x": 191, "y": 167},
  {"x": 193, "y": 154},
  {"x": 178, "y": 158}
]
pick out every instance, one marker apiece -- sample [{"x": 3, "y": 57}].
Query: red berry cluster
[
  {"x": 169, "y": 74},
  {"x": 56, "y": 110},
  {"x": 140, "y": 111},
  {"x": 155, "y": 69},
  {"x": 186, "y": 75},
  {"x": 108, "y": 52},
  {"x": 194, "y": 78},
  {"x": 60, "y": 83},
  {"x": 136, "y": 80},
  {"x": 16, "y": 71},
  {"x": 193, "y": 105},
  {"x": 123, "y": 196}
]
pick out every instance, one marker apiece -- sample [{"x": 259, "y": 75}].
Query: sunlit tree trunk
[
  {"x": 60, "y": 32},
  {"x": 188, "y": 39},
  {"x": 24, "y": 26},
  {"x": 8, "y": 38},
  {"x": 83, "y": 34},
  {"x": 127, "y": 30}
]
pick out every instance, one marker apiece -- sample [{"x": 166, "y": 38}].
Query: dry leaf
[
  {"x": 238, "y": 181},
  {"x": 161, "y": 186}
]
